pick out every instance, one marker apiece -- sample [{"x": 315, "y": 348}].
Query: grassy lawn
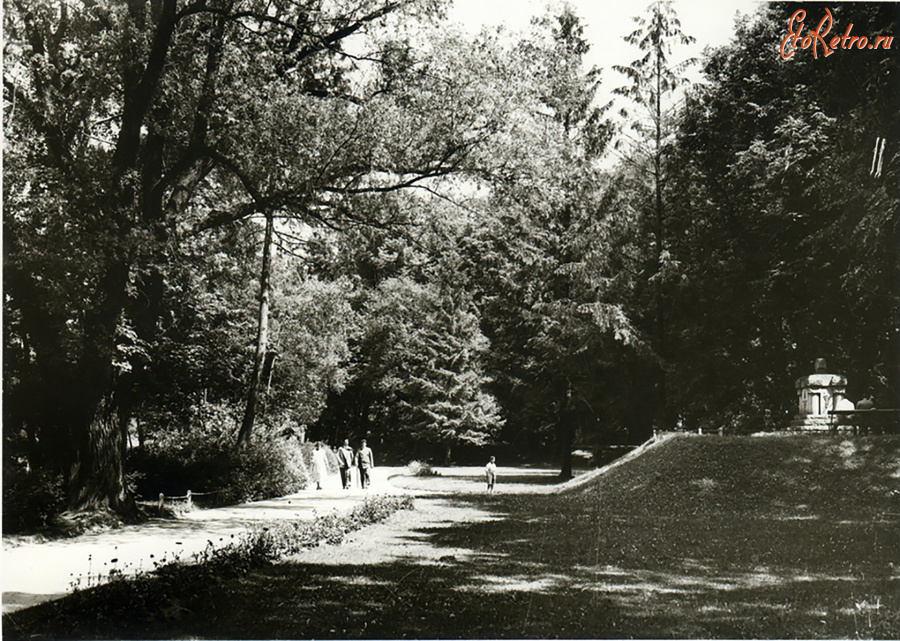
[{"x": 701, "y": 537}]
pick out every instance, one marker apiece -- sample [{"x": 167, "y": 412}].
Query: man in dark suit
[{"x": 346, "y": 458}]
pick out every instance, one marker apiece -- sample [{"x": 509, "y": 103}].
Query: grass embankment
[{"x": 769, "y": 537}]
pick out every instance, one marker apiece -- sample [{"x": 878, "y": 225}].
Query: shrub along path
[
  {"x": 701, "y": 537},
  {"x": 36, "y": 571}
]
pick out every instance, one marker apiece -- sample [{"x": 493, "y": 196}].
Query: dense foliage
[
  {"x": 145, "y": 145},
  {"x": 204, "y": 461},
  {"x": 230, "y": 220},
  {"x": 785, "y": 239}
]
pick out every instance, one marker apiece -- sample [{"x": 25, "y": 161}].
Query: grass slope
[
  {"x": 779, "y": 536},
  {"x": 701, "y": 537}
]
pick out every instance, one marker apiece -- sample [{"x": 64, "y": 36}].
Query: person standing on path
[
  {"x": 320, "y": 465},
  {"x": 490, "y": 471},
  {"x": 346, "y": 457},
  {"x": 366, "y": 461}
]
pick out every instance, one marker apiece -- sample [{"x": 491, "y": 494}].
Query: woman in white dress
[{"x": 320, "y": 465}]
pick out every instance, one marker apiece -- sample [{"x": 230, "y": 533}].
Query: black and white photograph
[{"x": 450, "y": 319}]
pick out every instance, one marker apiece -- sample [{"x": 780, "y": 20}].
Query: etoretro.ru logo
[{"x": 796, "y": 40}]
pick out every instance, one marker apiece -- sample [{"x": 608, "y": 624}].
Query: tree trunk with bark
[
  {"x": 97, "y": 477},
  {"x": 262, "y": 334},
  {"x": 566, "y": 431}
]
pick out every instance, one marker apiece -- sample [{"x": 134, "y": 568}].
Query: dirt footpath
[{"x": 38, "y": 571}]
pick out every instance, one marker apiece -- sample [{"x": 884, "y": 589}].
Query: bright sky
[
  {"x": 606, "y": 22},
  {"x": 711, "y": 22}
]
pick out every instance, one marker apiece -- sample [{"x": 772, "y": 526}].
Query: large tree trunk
[
  {"x": 262, "y": 334},
  {"x": 97, "y": 473},
  {"x": 97, "y": 478},
  {"x": 74, "y": 412}
]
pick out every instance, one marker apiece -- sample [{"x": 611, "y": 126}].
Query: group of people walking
[
  {"x": 362, "y": 459},
  {"x": 348, "y": 458}
]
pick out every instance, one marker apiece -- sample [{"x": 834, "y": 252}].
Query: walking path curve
[{"x": 37, "y": 571}]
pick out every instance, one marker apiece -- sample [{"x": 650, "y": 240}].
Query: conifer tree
[{"x": 654, "y": 79}]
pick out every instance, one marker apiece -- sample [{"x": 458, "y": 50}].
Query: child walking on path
[{"x": 490, "y": 471}]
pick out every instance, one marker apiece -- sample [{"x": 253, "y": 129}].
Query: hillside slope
[
  {"x": 774, "y": 536},
  {"x": 792, "y": 476}
]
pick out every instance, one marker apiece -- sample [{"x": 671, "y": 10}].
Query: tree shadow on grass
[
  {"x": 712, "y": 575},
  {"x": 527, "y": 567},
  {"x": 296, "y": 601},
  {"x": 416, "y": 600}
]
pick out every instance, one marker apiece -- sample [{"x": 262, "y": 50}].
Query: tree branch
[
  {"x": 138, "y": 97},
  {"x": 349, "y": 30},
  {"x": 219, "y": 218},
  {"x": 38, "y": 118}
]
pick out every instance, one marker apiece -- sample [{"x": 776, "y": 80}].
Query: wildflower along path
[{"x": 37, "y": 571}]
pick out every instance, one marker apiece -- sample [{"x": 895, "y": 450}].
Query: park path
[{"x": 36, "y": 571}]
